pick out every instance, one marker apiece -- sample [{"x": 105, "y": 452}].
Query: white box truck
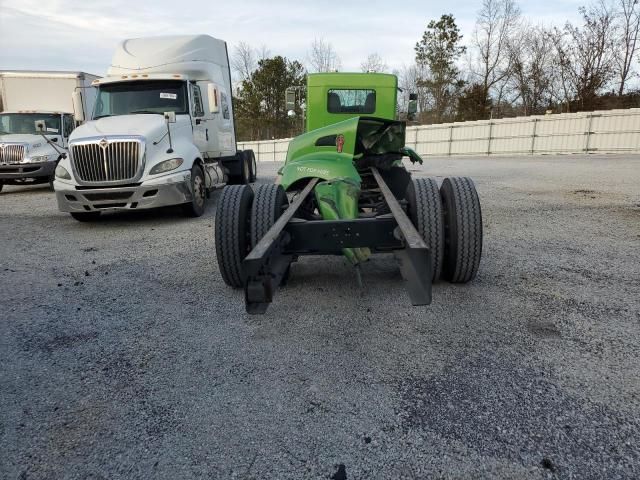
[
  {"x": 36, "y": 120},
  {"x": 162, "y": 131}
]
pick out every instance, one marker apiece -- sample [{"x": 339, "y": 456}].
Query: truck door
[{"x": 203, "y": 124}]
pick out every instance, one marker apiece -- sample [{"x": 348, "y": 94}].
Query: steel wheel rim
[
  {"x": 198, "y": 190},
  {"x": 245, "y": 169}
]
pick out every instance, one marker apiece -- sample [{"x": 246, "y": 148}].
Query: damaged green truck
[{"x": 344, "y": 190}]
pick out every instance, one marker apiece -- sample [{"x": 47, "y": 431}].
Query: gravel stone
[{"x": 125, "y": 356}]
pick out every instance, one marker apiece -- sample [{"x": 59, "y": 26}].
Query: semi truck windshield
[
  {"x": 25, "y": 123},
  {"x": 154, "y": 96}
]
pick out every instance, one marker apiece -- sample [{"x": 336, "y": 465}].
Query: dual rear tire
[
  {"x": 243, "y": 217},
  {"x": 449, "y": 219},
  {"x": 248, "y": 169}
]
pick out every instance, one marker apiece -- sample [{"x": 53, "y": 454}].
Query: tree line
[{"x": 508, "y": 67}]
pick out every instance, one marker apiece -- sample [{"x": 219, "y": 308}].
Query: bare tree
[
  {"x": 496, "y": 23},
  {"x": 263, "y": 52},
  {"x": 243, "y": 60},
  {"x": 586, "y": 54},
  {"x": 627, "y": 26},
  {"x": 409, "y": 80},
  {"x": 322, "y": 56},
  {"x": 531, "y": 57},
  {"x": 373, "y": 63}
]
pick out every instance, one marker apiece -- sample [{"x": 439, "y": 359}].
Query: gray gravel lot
[{"x": 125, "y": 356}]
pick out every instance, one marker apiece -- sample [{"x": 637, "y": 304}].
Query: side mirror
[
  {"x": 78, "y": 108},
  {"x": 214, "y": 104},
  {"x": 40, "y": 126},
  {"x": 169, "y": 117},
  {"x": 413, "y": 104}
]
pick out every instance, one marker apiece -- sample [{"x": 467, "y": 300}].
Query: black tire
[
  {"x": 85, "y": 216},
  {"x": 463, "y": 229},
  {"x": 1, "y": 186},
  {"x": 253, "y": 166},
  {"x": 425, "y": 211},
  {"x": 198, "y": 203},
  {"x": 269, "y": 201},
  {"x": 268, "y": 204},
  {"x": 51, "y": 179},
  {"x": 232, "y": 232},
  {"x": 245, "y": 173}
]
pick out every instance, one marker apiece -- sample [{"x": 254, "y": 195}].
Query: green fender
[{"x": 323, "y": 165}]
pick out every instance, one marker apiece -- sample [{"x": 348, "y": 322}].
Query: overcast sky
[{"x": 82, "y": 34}]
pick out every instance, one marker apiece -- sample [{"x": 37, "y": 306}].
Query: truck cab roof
[{"x": 198, "y": 57}]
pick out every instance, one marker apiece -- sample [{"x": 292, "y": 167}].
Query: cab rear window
[{"x": 351, "y": 101}]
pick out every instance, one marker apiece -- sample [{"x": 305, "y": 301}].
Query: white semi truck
[
  {"x": 162, "y": 131},
  {"x": 36, "y": 119}
]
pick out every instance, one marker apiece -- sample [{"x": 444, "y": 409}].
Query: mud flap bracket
[{"x": 414, "y": 258}]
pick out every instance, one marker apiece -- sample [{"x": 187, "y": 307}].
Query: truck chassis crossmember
[{"x": 289, "y": 237}]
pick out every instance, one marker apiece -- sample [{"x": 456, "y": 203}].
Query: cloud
[{"x": 81, "y": 35}]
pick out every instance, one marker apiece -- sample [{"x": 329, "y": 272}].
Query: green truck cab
[{"x": 348, "y": 116}]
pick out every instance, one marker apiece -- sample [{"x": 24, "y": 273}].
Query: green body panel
[
  {"x": 305, "y": 159},
  {"x": 335, "y": 143},
  {"x": 319, "y": 84},
  {"x": 338, "y": 200},
  {"x": 317, "y": 153}
]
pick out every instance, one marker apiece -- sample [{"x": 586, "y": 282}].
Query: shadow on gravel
[
  {"x": 20, "y": 190},
  {"x": 170, "y": 214},
  {"x": 501, "y": 409}
]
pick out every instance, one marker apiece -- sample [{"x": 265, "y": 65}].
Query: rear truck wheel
[
  {"x": 269, "y": 201},
  {"x": 85, "y": 216},
  {"x": 463, "y": 229},
  {"x": 245, "y": 174},
  {"x": 268, "y": 204},
  {"x": 253, "y": 166},
  {"x": 1, "y": 186},
  {"x": 232, "y": 238},
  {"x": 196, "y": 206},
  {"x": 425, "y": 211}
]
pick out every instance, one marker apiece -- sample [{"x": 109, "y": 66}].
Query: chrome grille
[
  {"x": 103, "y": 161},
  {"x": 11, "y": 153}
]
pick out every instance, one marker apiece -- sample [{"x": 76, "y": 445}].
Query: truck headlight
[
  {"x": 166, "y": 166},
  {"x": 61, "y": 172}
]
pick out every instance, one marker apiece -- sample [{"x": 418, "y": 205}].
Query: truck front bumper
[
  {"x": 172, "y": 189},
  {"x": 21, "y": 171}
]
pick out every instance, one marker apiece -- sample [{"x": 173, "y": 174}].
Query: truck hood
[
  {"x": 28, "y": 138},
  {"x": 36, "y": 145},
  {"x": 150, "y": 126}
]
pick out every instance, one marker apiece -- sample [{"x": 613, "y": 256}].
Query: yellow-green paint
[{"x": 319, "y": 84}]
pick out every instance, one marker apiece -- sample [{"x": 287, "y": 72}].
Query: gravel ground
[{"x": 125, "y": 356}]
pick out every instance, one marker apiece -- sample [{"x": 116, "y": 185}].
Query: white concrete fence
[{"x": 611, "y": 131}]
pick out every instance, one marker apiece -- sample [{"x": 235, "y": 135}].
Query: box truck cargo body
[
  {"x": 38, "y": 112},
  {"x": 162, "y": 131}
]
